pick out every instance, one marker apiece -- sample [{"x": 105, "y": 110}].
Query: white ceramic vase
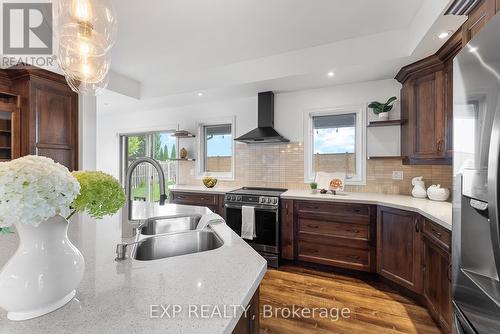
[{"x": 43, "y": 273}]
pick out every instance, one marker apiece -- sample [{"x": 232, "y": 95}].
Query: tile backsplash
[{"x": 282, "y": 166}]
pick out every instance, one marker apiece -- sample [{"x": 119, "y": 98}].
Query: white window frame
[
  {"x": 360, "y": 149},
  {"x": 200, "y": 165}
]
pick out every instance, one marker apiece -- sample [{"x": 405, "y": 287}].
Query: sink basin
[
  {"x": 170, "y": 225},
  {"x": 169, "y": 245}
]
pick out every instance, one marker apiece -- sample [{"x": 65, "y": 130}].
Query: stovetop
[{"x": 273, "y": 192}]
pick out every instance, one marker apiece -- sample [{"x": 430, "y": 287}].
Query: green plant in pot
[
  {"x": 314, "y": 187},
  {"x": 382, "y": 109}
]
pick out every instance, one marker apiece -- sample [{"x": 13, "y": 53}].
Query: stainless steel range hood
[{"x": 265, "y": 132}]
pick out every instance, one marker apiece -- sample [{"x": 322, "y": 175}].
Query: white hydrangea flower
[{"x": 33, "y": 189}]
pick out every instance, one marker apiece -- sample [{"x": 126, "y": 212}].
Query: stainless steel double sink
[{"x": 160, "y": 238}]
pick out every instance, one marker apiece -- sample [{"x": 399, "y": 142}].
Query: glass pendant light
[{"x": 85, "y": 33}]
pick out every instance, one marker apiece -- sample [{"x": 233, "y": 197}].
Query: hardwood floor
[{"x": 374, "y": 307}]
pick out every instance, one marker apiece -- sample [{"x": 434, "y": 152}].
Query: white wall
[
  {"x": 87, "y": 106},
  {"x": 289, "y": 108}
]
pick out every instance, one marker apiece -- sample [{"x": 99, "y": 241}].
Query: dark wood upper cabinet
[
  {"x": 49, "y": 115},
  {"x": 478, "y": 18},
  {"x": 399, "y": 247},
  {"x": 426, "y": 136}
]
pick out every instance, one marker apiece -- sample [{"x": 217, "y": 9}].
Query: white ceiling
[{"x": 175, "y": 48}]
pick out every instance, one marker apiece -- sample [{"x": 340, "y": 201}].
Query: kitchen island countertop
[{"x": 117, "y": 297}]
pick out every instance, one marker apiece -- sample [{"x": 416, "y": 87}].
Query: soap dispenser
[{"x": 418, "y": 187}]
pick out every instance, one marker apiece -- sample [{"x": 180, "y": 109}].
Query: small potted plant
[
  {"x": 382, "y": 109},
  {"x": 314, "y": 187}
]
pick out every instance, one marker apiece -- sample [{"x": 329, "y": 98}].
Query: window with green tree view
[{"x": 160, "y": 146}]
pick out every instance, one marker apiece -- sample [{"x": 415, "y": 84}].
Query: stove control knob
[
  {"x": 268, "y": 200},
  {"x": 238, "y": 198},
  {"x": 262, "y": 200},
  {"x": 228, "y": 198},
  {"x": 275, "y": 201}
]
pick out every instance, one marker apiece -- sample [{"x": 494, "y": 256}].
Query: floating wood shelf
[
  {"x": 182, "y": 159},
  {"x": 183, "y": 134},
  {"x": 386, "y": 157},
  {"x": 374, "y": 124}
]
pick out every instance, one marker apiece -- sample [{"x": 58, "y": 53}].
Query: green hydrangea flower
[
  {"x": 5, "y": 230},
  {"x": 100, "y": 194}
]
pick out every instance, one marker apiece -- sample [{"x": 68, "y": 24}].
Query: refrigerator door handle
[{"x": 493, "y": 187}]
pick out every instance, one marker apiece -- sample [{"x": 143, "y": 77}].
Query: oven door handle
[{"x": 230, "y": 206}]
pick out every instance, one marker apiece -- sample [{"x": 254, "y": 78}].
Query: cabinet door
[
  {"x": 448, "y": 108},
  {"x": 437, "y": 282},
  {"x": 399, "y": 247},
  {"x": 429, "y": 117},
  {"x": 54, "y": 110},
  {"x": 478, "y": 19},
  {"x": 287, "y": 230},
  {"x": 249, "y": 321}
]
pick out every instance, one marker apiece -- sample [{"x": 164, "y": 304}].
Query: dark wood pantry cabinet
[
  {"x": 38, "y": 115},
  {"x": 49, "y": 115}
]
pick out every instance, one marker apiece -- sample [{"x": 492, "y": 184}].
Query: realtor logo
[{"x": 27, "y": 28}]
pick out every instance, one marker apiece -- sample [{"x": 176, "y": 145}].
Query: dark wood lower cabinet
[
  {"x": 335, "y": 234},
  {"x": 249, "y": 321},
  {"x": 287, "y": 230},
  {"x": 214, "y": 202},
  {"x": 437, "y": 282},
  {"x": 399, "y": 247}
]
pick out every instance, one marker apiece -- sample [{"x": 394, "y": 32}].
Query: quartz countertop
[
  {"x": 201, "y": 188},
  {"x": 117, "y": 297},
  {"x": 438, "y": 212}
]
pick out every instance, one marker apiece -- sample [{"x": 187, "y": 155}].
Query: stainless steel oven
[{"x": 267, "y": 221}]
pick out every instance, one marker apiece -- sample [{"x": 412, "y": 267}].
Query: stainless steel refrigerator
[{"x": 476, "y": 139}]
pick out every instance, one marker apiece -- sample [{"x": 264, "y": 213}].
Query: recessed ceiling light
[
  {"x": 200, "y": 94},
  {"x": 444, "y": 34},
  {"x": 472, "y": 48},
  {"x": 331, "y": 74}
]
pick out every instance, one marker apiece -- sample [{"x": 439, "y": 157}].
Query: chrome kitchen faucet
[{"x": 127, "y": 221}]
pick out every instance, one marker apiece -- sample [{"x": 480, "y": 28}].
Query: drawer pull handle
[
  {"x": 312, "y": 226},
  {"x": 312, "y": 250},
  {"x": 355, "y": 257},
  {"x": 353, "y": 231},
  {"x": 436, "y": 232}
]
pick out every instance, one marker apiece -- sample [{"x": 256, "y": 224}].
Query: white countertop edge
[
  {"x": 191, "y": 188},
  {"x": 246, "y": 300},
  {"x": 435, "y": 219}
]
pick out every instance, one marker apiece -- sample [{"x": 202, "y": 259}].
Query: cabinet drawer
[
  {"x": 334, "y": 229},
  {"x": 331, "y": 254},
  {"x": 437, "y": 233},
  {"x": 338, "y": 212},
  {"x": 194, "y": 198}
]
